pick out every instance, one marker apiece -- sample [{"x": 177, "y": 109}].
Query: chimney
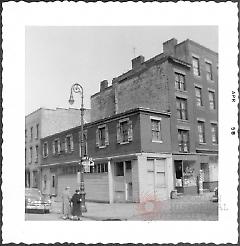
[
  {"x": 103, "y": 85},
  {"x": 169, "y": 47},
  {"x": 136, "y": 62}
]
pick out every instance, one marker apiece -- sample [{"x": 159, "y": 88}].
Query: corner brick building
[
  {"x": 165, "y": 110},
  {"x": 182, "y": 80}
]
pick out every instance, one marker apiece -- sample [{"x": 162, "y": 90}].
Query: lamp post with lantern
[{"x": 77, "y": 88}]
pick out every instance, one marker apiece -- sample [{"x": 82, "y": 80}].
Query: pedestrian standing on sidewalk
[
  {"x": 76, "y": 205},
  {"x": 66, "y": 199}
]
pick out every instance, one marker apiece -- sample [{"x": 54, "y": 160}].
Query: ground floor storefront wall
[
  {"x": 130, "y": 178},
  {"x": 189, "y": 169}
]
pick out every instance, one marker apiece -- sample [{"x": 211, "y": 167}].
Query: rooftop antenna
[{"x": 134, "y": 52}]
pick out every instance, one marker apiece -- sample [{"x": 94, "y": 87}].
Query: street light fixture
[{"x": 77, "y": 88}]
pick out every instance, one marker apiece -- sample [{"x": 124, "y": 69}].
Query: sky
[{"x": 57, "y": 57}]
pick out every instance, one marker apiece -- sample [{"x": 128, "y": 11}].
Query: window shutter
[
  {"x": 130, "y": 132},
  {"x": 97, "y": 138},
  {"x": 118, "y": 133},
  {"x": 106, "y": 136},
  {"x": 53, "y": 147},
  {"x": 71, "y": 143},
  {"x": 66, "y": 149}
]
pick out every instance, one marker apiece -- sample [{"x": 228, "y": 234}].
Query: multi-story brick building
[
  {"x": 182, "y": 80},
  {"x": 131, "y": 153},
  {"x": 41, "y": 123},
  {"x": 168, "y": 107}
]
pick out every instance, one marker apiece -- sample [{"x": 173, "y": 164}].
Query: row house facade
[
  {"x": 183, "y": 80},
  {"x": 41, "y": 123},
  {"x": 131, "y": 153}
]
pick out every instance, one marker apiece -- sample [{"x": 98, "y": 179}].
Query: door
[
  {"x": 128, "y": 180},
  {"x": 53, "y": 184}
]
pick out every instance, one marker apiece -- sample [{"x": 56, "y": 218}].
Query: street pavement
[{"x": 187, "y": 207}]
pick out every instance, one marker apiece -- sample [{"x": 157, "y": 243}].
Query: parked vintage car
[{"x": 35, "y": 202}]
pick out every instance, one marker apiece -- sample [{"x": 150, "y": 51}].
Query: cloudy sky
[{"x": 57, "y": 57}]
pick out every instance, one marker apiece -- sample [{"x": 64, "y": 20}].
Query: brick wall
[
  {"x": 102, "y": 104},
  {"x": 149, "y": 89}
]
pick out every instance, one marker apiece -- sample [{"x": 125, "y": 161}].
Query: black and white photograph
[
  {"x": 124, "y": 126},
  {"x": 144, "y": 145}
]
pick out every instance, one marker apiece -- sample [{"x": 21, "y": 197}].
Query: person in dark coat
[{"x": 76, "y": 205}]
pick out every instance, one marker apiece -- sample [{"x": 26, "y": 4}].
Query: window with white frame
[
  {"x": 124, "y": 131},
  {"x": 181, "y": 106},
  {"x": 180, "y": 82},
  {"x": 31, "y": 133},
  {"x": 198, "y": 93},
  {"x": 30, "y": 154},
  {"x": 45, "y": 149},
  {"x": 196, "y": 66},
  {"x": 36, "y": 153},
  {"x": 102, "y": 138},
  {"x": 209, "y": 71},
  {"x": 69, "y": 144},
  {"x": 56, "y": 146},
  {"x": 183, "y": 140},
  {"x": 99, "y": 168},
  {"x": 37, "y": 131},
  {"x": 156, "y": 130},
  {"x": 214, "y": 130},
  {"x": 211, "y": 96},
  {"x": 201, "y": 132}
]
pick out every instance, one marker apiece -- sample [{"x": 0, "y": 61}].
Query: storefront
[
  {"x": 186, "y": 176},
  {"x": 187, "y": 170}
]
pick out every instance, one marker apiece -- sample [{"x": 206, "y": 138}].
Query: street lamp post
[{"x": 77, "y": 88}]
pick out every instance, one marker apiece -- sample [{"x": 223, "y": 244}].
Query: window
[
  {"x": 214, "y": 130},
  {"x": 209, "y": 71},
  {"x": 181, "y": 108},
  {"x": 36, "y": 153},
  {"x": 85, "y": 150},
  {"x": 99, "y": 168},
  {"x": 198, "y": 92},
  {"x": 180, "y": 82},
  {"x": 102, "y": 139},
  {"x": 30, "y": 154},
  {"x": 69, "y": 144},
  {"x": 37, "y": 131},
  {"x": 124, "y": 131},
  {"x": 31, "y": 132},
  {"x": 119, "y": 169},
  {"x": 45, "y": 149},
  {"x": 201, "y": 132},
  {"x": 211, "y": 97},
  {"x": 196, "y": 67},
  {"x": 156, "y": 130},
  {"x": 128, "y": 165},
  {"x": 183, "y": 140},
  {"x": 56, "y": 147},
  {"x": 53, "y": 181}
]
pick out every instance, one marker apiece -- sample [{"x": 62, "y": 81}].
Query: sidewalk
[{"x": 192, "y": 207}]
